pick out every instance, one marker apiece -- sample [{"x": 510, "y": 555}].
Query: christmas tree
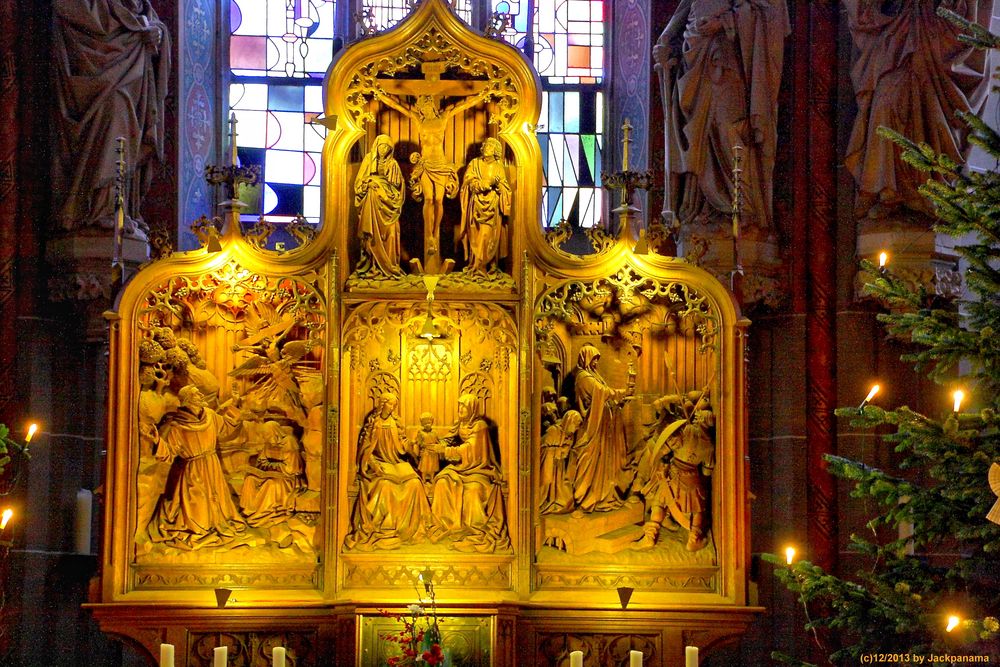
[{"x": 935, "y": 591}]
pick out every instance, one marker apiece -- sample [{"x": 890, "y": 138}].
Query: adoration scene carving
[
  {"x": 627, "y": 446},
  {"x": 231, "y": 418},
  {"x": 433, "y": 468},
  {"x": 432, "y": 192}
]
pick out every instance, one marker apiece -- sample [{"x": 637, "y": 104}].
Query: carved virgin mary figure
[
  {"x": 720, "y": 67},
  {"x": 378, "y": 196},
  {"x": 468, "y": 504},
  {"x": 913, "y": 76},
  {"x": 391, "y": 505}
]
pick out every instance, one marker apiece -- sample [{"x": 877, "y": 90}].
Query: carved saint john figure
[
  {"x": 485, "y": 200},
  {"x": 391, "y": 506},
  {"x": 378, "y": 196},
  {"x": 468, "y": 504}
]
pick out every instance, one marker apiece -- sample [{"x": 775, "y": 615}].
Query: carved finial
[
  {"x": 117, "y": 262},
  {"x": 234, "y": 159},
  {"x": 499, "y": 22},
  {"x": 626, "y": 140},
  {"x": 737, "y": 188}
]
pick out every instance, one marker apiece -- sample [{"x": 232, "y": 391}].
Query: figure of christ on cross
[{"x": 434, "y": 177}]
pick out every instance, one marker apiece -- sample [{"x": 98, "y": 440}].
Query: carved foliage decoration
[
  {"x": 553, "y": 648},
  {"x": 432, "y": 46},
  {"x": 246, "y": 649}
]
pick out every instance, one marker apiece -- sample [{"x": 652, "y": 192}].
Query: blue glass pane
[{"x": 285, "y": 98}]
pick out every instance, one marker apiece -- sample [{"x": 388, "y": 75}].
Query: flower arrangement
[{"x": 420, "y": 639}]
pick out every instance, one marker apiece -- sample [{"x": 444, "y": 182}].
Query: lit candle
[
  {"x": 959, "y": 396},
  {"x": 166, "y": 655},
  {"x": 635, "y": 659},
  {"x": 953, "y": 622},
  {"x": 220, "y": 657},
  {"x": 32, "y": 430},
  {"x": 690, "y": 656},
  {"x": 278, "y": 656},
  {"x": 789, "y": 554},
  {"x": 871, "y": 394},
  {"x": 5, "y": 518},
  {"x": 883, "y": 257},
  {"x": 576, "y": 659},
  {"x": 81, "y": 525}
]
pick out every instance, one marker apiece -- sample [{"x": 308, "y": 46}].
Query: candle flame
[
  {"x": 883, "y": 257},
  {"x": 953, "y": 622},
  {"x": 958, "y": 395},
  {"x": 871, "y": 394},
  {"x": 789, "y": 554},
  {"x": 5, "y": 517},
  {"x": 32, "y": 430}
]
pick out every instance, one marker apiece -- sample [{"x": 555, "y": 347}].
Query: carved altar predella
[{"x": 428, "y": 381}]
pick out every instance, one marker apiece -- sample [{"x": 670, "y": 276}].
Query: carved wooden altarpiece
[{"x": 429, "y": 382}]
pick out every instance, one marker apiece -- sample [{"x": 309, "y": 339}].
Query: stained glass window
[
  {"x": 279, "y": 51},
  {"x": 387, "y": 13},
  {"x": 566, "y": 44}
]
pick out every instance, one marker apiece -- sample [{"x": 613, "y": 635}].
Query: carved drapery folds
[
  {"x": 720, "y": 66},
  {"x": 901, "y": 46}
]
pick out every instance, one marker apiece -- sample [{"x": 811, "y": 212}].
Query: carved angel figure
[
  {"x": 485, "y": 198},
  {"x": 378, "y": 195},
  {"x": 271, "y": 369}
]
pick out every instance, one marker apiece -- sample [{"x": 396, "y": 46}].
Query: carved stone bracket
[{"x": 915, "y": 254}]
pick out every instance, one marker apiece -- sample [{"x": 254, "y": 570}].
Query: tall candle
[
  {"x": 576, "y": 659},
  {"x": 690, "y": 656},
  {"x": 278, "y": 656},
  {"x": 166, "y": 655},
  {"x": 635, "y": 659},
  {"x": 81, "y": 523},
  {"x": 221, "y": 659}
]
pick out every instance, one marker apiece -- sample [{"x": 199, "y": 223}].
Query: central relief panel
[{"x": 431, "y": 425}]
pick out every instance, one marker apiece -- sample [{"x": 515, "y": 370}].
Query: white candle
[
  {"x": 220, "y": 659},
  {"x": 278, "y": 656},
  {"x": 166, "y": 655},
  {"x": 690, "y": 656},
  {"x": 81, "y": 524},
  {"x": 635, "y": 659},
  {"x": 576, "y": 659}
]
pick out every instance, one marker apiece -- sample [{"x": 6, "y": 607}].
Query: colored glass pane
[{"x": 279, "y": 53}]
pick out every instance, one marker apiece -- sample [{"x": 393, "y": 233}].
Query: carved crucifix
[{"x": 434, "y": 177}]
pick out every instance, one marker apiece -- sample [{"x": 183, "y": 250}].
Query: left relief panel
[{"x": 231, "y": 429}]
